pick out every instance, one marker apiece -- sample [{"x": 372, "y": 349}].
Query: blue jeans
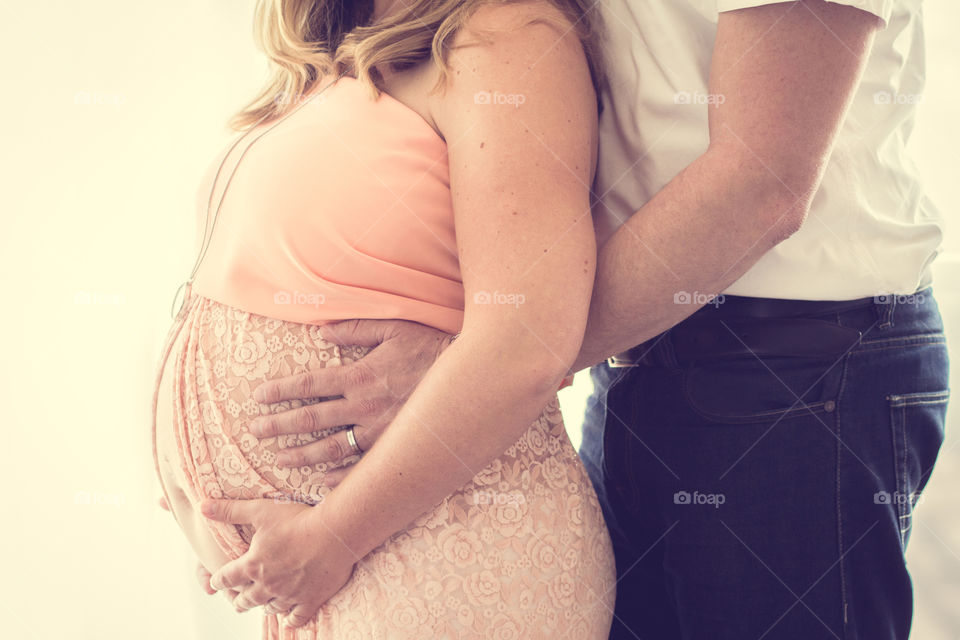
[{"x": 770, "y": 496}]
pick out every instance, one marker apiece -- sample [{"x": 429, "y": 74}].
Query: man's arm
[{"x": 787, "y": 72}]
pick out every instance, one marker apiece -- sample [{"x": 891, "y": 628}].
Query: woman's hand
[
  {"x": 203, "y": 575},
  {"x": 520, "y": 180},
  {"x": 294, "y": 564}
]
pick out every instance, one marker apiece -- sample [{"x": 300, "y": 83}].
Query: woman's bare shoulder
[{"x": 526, "y": 48}]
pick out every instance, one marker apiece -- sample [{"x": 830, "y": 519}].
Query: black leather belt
[{"x": 751, "y": 326}]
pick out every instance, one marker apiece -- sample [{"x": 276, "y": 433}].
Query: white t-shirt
[{"x": 871, "y": 230}]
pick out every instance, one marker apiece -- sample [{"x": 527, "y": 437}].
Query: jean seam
[
  {"x": 899, "y": 436},
  {"x": 842, "y": 565},
  {"x": 910, "y": 336},
  {"x": 907, "y": 508},
  {"x": 897, "y": 348},
  {"x": 921, "y": 403},
  {"x": 901, "y": 342}
]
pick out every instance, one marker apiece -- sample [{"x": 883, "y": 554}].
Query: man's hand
[
  {"x": 788, "y": 72},
  {"x": 372, "y": 389}
]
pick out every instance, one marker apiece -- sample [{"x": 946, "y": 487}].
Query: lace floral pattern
[{"x": 521, "y": 551}]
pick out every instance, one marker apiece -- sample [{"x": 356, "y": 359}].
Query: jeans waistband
[
  {"x": 742, "y": 326},
  {"x": 742, "y": 306}
]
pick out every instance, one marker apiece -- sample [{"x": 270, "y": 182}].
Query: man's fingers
[
  {"x": 335, "y": 477},
  {"x": 312, "y": 417},
  {"x": 319, "y": 383},
  {"x": 332, "y": 449},
  {"x": 361, "y": 333}
]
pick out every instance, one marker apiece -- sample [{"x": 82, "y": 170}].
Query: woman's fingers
[
  {"x": 203, "y": 576},
  {"x": 278, "y": 607},
  {"x": 300, "y": 615},
  {"x": 162, "y": 501},
  {"x": 332, "y": 449},
  {"x": 252, "y": 596}
]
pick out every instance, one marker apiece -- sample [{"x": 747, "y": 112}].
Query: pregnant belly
[{"x": 204, "y": 407}]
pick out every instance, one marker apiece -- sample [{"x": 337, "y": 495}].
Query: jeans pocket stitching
[
  {"x": 747, "y": 418},
  {"x": 898, "y": 404},
  {"x": 920, "y": 398},
  {"x": 903, "y": 342}
]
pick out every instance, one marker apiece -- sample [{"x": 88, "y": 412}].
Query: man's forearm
[
  {"x": 789, "y": 72},
  {"x": 698, "y": 235}
]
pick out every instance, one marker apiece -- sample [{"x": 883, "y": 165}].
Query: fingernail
[
  {"x": 283, "y": 461},
  {"x": 256, "y": 428},
  {"x": 259, "y": 394},
  {"x": 207, "y": 508}
]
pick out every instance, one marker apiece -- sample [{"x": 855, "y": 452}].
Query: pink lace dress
[{"x": 521, "y": 551}]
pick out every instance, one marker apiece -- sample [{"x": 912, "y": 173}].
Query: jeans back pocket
[{"x": 917, "y": 428}]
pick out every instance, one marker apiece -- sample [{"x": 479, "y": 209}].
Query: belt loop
[{"x": 885, "y": 306}]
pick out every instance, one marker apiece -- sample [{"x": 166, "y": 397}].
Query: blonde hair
[{"x": 305, "y": 40}]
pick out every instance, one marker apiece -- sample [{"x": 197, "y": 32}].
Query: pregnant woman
[{"x": 428, "y": 161}]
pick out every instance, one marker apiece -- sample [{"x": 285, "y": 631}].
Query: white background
[{"x": 112, "y": 110}]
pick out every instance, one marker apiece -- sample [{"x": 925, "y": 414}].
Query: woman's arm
[{"x": 519, "y": 116}]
